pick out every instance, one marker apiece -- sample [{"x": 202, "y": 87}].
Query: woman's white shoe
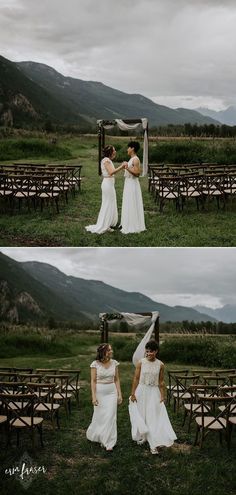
[{"x": 154, "y": 451}]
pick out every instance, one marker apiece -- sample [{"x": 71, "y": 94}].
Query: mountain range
[
  {"x": 32, "y": 291},
  {"x": 226, "y": 313},
  {"x": 227, "y": 116},
  {"x": 32, "y": 93}
]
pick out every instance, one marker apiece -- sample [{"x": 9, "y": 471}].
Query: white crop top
[
  {"x": 103, "y": 167},
  {"x": 105, "y": 375},
  {"x": 150, "y": 371},
  {"x": 127, "y": 175}
]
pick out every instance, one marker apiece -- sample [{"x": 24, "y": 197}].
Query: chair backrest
[
  {"x": 218, "y": 380},
  {"x": 229, "y": 391},
  {"x": 184, "y": 382},
  {"x": 13, "y": 387},
  {"x": 173, "y": 373},
  {"x": 22, "y": 370},
  {"x": 8, "y": 376},
  {"x": 211, "y": 403},
  {"x": 44, "y": 393},
  {"x": 73, "y": 376},
  {"x": 30, "y": 377},
  {"x": 19, "y": 406},
  {"x": 203, "y": 390},
  {"x": 169, "y": 187},
  {"x": 44, "y": 371},
  {"x": 61, "y": 382}
]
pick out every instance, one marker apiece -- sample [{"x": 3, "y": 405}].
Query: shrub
[
  {"x": 15, "y": 149},
  {"x": 202, "y": 351},
  {"x": 17, "y": 345},
  {"x": 124, "y": 349}
]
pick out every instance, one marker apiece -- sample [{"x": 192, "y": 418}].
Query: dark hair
[
  {"x": 151, "y": 345},
  {"x": 135, "y": 145},
  {"x": 107, "y": 152},
  {"x": 101, "y": 351}
]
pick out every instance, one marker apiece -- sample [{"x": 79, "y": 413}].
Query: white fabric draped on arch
[
  {"x": 135, "y": 320},
  {"x": 128, "y": 127}
]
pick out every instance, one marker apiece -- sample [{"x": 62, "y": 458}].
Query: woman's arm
[
  {"x": 117, "y": 384},
  {"x": 135, "y": 381},
  {"x": 162, "y": 383},
  {"x": 135, "y": 169},
  {"x": 109, "y": 168},
  {"x": 93, "y": 386}
]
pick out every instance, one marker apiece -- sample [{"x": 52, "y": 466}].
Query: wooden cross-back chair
[
  {"x": 169, "y": 190},
  {"x": 62, "y": 395},
  {"x": 213, "y": 420},
  {"x": 20, "y": 410},
  {"x": 73, "y": 382},
  {"x": 192, "y": 407},
  {"x": 44, "y": 403},
  {"x": 181, "y": 392},
  {"x": 171, "y": 387}
]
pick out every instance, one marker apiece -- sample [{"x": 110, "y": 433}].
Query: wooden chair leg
[
  {"x": 41, "y": 435},
  {"x": 196, "y": 437},
  {"x": 18, "y": 437}
]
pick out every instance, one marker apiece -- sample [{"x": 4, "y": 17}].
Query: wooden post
[
  {"x": 104, "y": 331},
  {"x": 156, "y": 331},
  {"x": 99, "y": 147},
  {"x": 103, "y": 138}
]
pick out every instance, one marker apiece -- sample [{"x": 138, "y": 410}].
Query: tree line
[{"x": 194, "y": 130}]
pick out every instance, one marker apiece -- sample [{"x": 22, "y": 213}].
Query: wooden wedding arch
[
  {"x": 106, "y": 317},
  {"x": 102, "y": 134}
]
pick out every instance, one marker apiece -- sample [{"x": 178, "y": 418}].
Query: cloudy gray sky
[
  {"x": 180, "y": 53},
  {"x": 185, "y": 276}
]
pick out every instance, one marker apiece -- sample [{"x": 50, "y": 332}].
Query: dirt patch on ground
[
  {"x": 183, "y": 448},
  {"x": 20, "y": 240}
]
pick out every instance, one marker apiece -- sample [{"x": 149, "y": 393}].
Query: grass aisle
[
  {"x": 188, "y": 228},
  {"x": 77, "y": 467}
]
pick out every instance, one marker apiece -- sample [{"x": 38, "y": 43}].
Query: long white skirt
[
  {"x": 154, "y": 413},
  {"x": 103, "y": 428},
  {"x": 108, "y": 215},
  {"x": 132, "y": 214}
]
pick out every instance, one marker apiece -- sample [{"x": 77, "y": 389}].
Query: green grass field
[
  {"x": 76, "y": 466},
  {"x": 210, "y": 227}
]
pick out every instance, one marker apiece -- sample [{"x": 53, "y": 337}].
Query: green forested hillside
[{"x": 32, "y": 94}]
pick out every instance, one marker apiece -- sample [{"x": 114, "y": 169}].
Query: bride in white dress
[
  {"x": 148, "y": 393},
  {"x": 106, "y": 394},
  {"x": 132, "y": 214},
  {"x": 108, "y": 215}
]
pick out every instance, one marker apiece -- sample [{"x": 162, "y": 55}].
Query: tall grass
[
  {"x": 222, "y": 152},
  {"x": 18, "y": 149},
  {"x": 200, "y": 350}
]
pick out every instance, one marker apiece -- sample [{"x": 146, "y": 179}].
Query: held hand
[
  {"x": 133, "y": 398},
  {"x": 95, "y": 402},
  {"x": 162, "y": 399},
  {"x": 119, "y": 399}
]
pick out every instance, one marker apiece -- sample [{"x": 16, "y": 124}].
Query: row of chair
[
  {"x": 209, "y": 399},
  {"x": 28, "y": 397},
  {"x": 38, "y": 184},
  {"x": 182, "y": 185}
]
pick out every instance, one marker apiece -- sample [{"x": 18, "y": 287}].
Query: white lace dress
[
  {"x": 108, "y": 215},
  {"x": 103, "y": 428},
  {"x": 132, "y": 213},
  {"x": 152, "y": 411}
]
